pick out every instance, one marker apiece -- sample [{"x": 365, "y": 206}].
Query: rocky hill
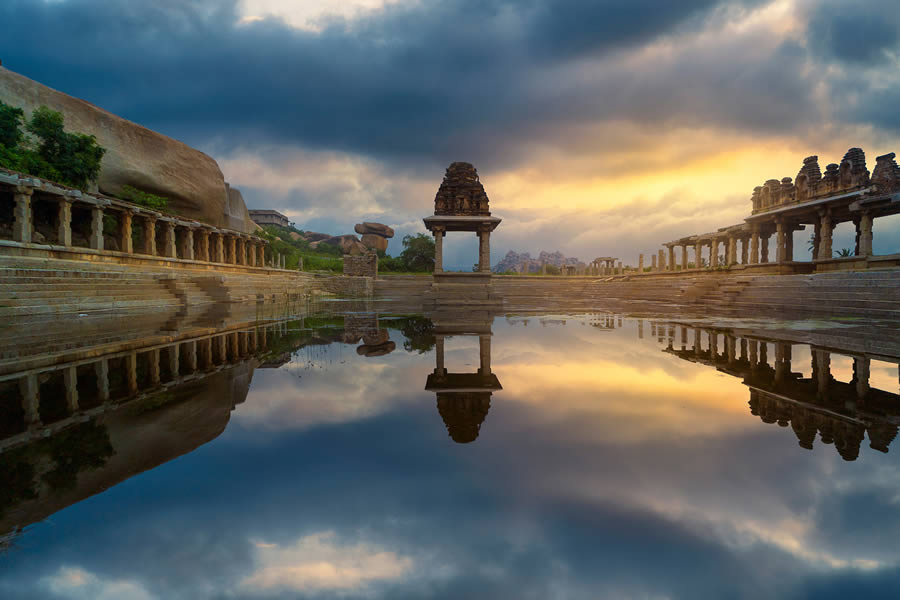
[{"x": 523, "y": 262}]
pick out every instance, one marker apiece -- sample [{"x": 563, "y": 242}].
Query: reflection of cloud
[
  {"x": 78, "y": 584},
  {"x": 318, "y": 562}
]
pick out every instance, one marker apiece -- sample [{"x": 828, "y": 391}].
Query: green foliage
[
  {"x": 321, "y": 258},
  {"x": 418, "y": 253},
  {"x": 132, "y": 194},
  {"x": 10, "y": 123},
  {"x": 49, "y": 152},
  {"x": 844, "y": 253}
]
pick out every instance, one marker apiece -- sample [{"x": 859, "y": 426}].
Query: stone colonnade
[{"x": 161, "y": 235}]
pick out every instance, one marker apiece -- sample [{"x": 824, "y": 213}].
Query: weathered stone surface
[
  {"x": 349, "y": 244},
  {"x": 373, "y": 228},
  {"x": 369, "y": 350},
  {"x": 361, "y": 265},
  {"x": 236, "y": 214},
  {"x": 314, "y": 236},
  {"x": 137, "y": 156},
  {"x": 295, "y": 236},
  {"x": 376, "y": 242}
]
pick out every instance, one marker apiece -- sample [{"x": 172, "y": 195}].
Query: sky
[{"x": 599, "y": 128}]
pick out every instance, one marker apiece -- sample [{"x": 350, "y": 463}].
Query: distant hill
[{"x": 523, "y": 262}]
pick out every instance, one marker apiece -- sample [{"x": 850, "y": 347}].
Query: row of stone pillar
[
  {"x": 195, "y": 355},
  {"x": 188, "y": 241}
]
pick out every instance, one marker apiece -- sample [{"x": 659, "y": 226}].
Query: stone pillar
[
  {"x": 714, "y": 253},
  {"x": 64, "y": 221},
  {"x": 754, "y": 354},
  {"x": 484, "y": 354},
  {"x": 101, "y": 368},
  {"x": 97, "y": 227},
  {"x": 865, "y": 235},
  {"x": 439, "y": 355},
  {"x": 640, "y": 264},
  {"x": 698, "y": 343},
  {"x": 744, "y": 243},
  {"x": 822, "y": 360},
  {"x": 174, "y": 365},
  {"x": 684, "y": 257},
  {"x": 730, "y": 349},
  {"x": 70, "y": 383},
  {"x": 713, "y": 346},
  {"x": 764, "y": 249},
  {"x": 251, "y": 254},
  {"x": 232, "y": 250},
  {"x": 31, "y": 399},
  {"x": 131, "y": 372},
  {"x": 661, "y": 262},
  {"x": 779, "y": 241},
  {"x": 754, "y": 246},
  {"x": 732, "y": 250},
  {"x": 261, "y": 257},
  {"x": 153, "y": 366},
  {"x": 150, "y": 235},
  {"x": 187, "y": 250},
  {"x": 780, "y": 370},
  {"x": 204, "y": 245},
  {"x": 671, "y": 259},
  {"x": 170, "y": 239},
  {"x": 438, "y": 250},
  {"x": 24, "y": 220},
  {"x": 698, "y": 255},
  {"x": 190, "y": 355},
  {"x": 653, "y": 262},
  {"x": 825, "y": 229},
  {"x": 125, "y": 242},
  {"x": 219, "y": 248},
  {"x": 484, "y": 251},
  {"x": 788, "y": 244},
  {"x": 861, "y": 366}
]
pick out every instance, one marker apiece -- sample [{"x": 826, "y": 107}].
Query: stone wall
[
  {"x": 364, "y": 265},
  {"x": 348, "y": 286}
]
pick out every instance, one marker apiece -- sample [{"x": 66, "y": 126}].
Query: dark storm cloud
[
  {"x": 419, "y": 82},
  {"x": 860, "y": 33}
]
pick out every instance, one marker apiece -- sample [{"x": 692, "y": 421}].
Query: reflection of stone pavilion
[
  {"x": 463, "y": 399},
  {"x": 461, "y": 204}
]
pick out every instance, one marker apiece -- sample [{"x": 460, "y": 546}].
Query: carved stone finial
[{"x": 886, "y": 176}]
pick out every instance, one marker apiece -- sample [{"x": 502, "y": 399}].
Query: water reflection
[{"x": 615, "y": 442}]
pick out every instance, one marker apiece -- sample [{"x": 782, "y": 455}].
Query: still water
[{"x": 499, "y": 456}]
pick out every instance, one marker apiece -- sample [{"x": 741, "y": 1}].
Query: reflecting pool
[{"x": 352, "y": 454}]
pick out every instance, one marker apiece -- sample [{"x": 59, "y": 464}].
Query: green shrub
[{"x": 137, "y": 196}]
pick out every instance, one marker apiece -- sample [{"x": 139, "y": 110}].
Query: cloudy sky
[{"x": 599, "y": 127}]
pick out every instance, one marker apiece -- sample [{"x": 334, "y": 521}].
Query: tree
[
  {"x": 49, "y": 151},
  {"x": 418, "y": 252},
  {"x": 844, "y": 253}
]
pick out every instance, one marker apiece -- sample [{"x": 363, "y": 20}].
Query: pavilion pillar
[
  {"x": 744, "y": 250},
  {"x": 64, "y": 221},
  {"x": 204, "y": 245},
  {"x": 187, "y": 244},
  {"x": 24, "y": 220},
  {"x": 653, "y": 262},
  {"x": 125, "y": 241},
  {"x": 789, "y": 244},
  {"x": 439, "y": 354},
  {"x": 640, "y": 264},
  {"x": 131, "y": 372},
  {"x": 190, "y": 355},
  {"x": 97, "y": 227},
  {"x": 439, "y": 250},
  {"x": 484, "y": 251},
  {"x": 698, "y": 255},
  {"x": 174, "y": 364},
  {"x": 822, "y": 363},
  {"x": 149, "y": 225},
  {"x": 261, "y": 256},
  {"x": 714, "y": 253},
  {"x": 232, "y": 250},
  {"x": 101, "y": 368},
  {"x": 31, "y": 399},
  {"x": 861, "y": 366},
  {"x": 764, "y": 249},
  {"x": 251, "y": 254},
  {"x": 170, "y": 240},
  {"x": 218, "y": 248},
  {"x": 780, "y": 370},
  {"x": 825, "y": 229},
  {"x": 865, "y": 235},
  {"x": 732, "y": 250},
  {"x": 70, "y": 385},
  {"x": 698, "y": 343},
  {"x": 754, "y": 246},
  {"x": 484, "y": 354},
  {"x": 153, "y": 366},
  {"x": 671, "y": 260},
  {"x": 661, "y": 262},
  {"x": 684, "y": 257}
]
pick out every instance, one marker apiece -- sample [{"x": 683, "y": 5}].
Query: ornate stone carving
[
  {"x": 461, "y": 193},
  {"x": 853, "y": 172},
  {"x": 886, "y": 176}
]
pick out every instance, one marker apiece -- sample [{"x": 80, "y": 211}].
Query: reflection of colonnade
[
  {"x": 463, "y": 399},
  {"x": 40, "y": 402},
  {"x": 842, "y": 413}
]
